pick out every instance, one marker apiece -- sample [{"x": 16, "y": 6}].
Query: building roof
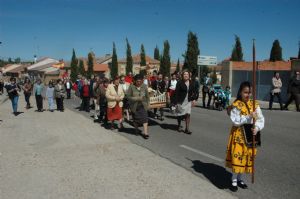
[
  {"x": 262, "y": 65},
  {"x": 101, "y": 67},
  {"x": 9, "y": 68},
  {"x": 51, "y": 71},
  {"x": 42, "y": 64},
  {"x": 137, "y": 60}
]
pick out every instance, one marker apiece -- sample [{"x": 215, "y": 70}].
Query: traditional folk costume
[{"x": 239, "y": 154}]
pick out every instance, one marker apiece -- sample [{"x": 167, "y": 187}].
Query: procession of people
[{"x": 115, "y": 100}]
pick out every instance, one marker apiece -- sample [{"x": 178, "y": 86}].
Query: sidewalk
[{"x": 66, "y": 156}]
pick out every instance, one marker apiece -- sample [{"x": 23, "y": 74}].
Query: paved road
[
  {"x": 64, "y": 155},
  {"x": 277, "y": 163}
]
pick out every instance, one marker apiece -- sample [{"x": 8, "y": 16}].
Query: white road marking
[{"x": 202, "y": 153}]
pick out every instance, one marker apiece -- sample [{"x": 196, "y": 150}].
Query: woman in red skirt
[{"x": 115, "y": 95}]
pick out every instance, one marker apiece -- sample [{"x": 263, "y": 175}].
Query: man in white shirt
[{"x": 68, "y": 86}]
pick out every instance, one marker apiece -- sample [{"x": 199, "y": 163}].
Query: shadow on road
[{"x": 216, "y": 174}]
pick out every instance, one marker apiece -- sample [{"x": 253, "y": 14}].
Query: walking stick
[{"x": 254, "y": 98}]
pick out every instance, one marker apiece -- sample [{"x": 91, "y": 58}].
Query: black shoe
[
  {"x": 242, "y": 184},
  {"x": 187, "y": 132},
  {"x": 145, "y": 136},
  {"x": 233, "y": 188},
  {"x": 180, "y": 129}
]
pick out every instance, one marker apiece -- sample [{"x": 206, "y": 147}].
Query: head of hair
[
  {"x": 185, "y": 71},
  {"x": 12, "y": 79},
  {"x": 138, "y": 77},
  {"x": 242, "y": 86},
  {"x": 275, "y": 73}
]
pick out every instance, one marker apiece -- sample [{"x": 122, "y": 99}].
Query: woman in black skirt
[{"x": 139, "y": 102}]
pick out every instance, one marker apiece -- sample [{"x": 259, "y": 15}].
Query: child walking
[{"x": 239, "y": 155}]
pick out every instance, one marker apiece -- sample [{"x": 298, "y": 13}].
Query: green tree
[
  {"x": 129, "y": 61},
  {"x": 178, "y": 66},
  {"x": 74, "y": 67},
  {"x": 156, "y": 53},
  {"x": 276, "y": 51},
  {"x": 18, "y": 60},
  {"x": 114, "y": 63},
  {"x": 192, "y": 53},
  {"x": 81, "y": 69},
  {"x": 90, "y": 65},
  {"x": 165, "y": 64},
  {"x": 143, "y": 56},
  {"x": 237, "y": 51},
  {"x": 299, "y": 51}
]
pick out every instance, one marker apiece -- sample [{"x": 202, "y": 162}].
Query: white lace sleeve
[
  {"x": 238, "y": 119},
  {"x": 260, "y": 120}
]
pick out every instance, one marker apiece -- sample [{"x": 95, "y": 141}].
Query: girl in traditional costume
[{"x": 239, "y": 155}]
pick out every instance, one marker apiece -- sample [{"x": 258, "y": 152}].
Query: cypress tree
[
  {"x": 114, "y": 63},
  {"x": 192, "y": 53},
  {"x": 143, "y": 56},
  {"x": 276, "y": 51},
  {"x": 165, "y": 64},
  {"x": 237, "y": 52},
  {"x": 156, "y": 53},
  {"x": 178, "y": 66},
  {"x": 81, "y": 69},
  {"x": 129, "y": 61},
  {"x": 74, "y": 67},
  {"x": 299, "y": 51},
  {"x": 90, "y": 64}
]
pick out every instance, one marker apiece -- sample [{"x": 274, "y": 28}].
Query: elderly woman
[
  {"x": 186, "y": 96},
  {"x": 60, "y": 93},
  {"x": 114, "y": 95},
  {"x": 27, "y": 88},
  {"x": 139, "y": 101}
]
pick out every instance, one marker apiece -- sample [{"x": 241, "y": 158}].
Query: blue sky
[{"x": 53, "y": 28}]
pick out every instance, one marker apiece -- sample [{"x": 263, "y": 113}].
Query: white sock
[{"x": 234, "y": 179}]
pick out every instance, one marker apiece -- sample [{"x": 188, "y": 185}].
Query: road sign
[{"x": 207, "y": 60}]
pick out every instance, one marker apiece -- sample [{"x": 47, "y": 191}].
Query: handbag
[{"x": 247, "y": 132}]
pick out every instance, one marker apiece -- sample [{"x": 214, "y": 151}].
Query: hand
[
  {"x": 193, "y": 103},
  {"x": 140, "y": 98},
  {"x": 254, "y": 131},
  {"x": 117, "y": 98},
  {"x": 253, "y": 114}
]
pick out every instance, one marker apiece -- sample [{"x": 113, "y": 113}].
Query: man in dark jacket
[
  {"x": 159, "y": 85},
  {"x": 294, "y": 91}
]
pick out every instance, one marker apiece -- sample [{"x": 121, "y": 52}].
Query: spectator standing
[
  {"x": 27, "y": 88},
  {"x": 39, "y": 92},
  {"x": 294, "y": 91},
  {"x": 276, "y": 90},
  {"x": 50, "y": 96},
  {"x": 60, "y": 94},
  {"x": 115, "y": 95},
  {"x": 206, "y": 90}
]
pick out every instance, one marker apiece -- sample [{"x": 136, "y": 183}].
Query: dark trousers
[
  {"x": 39, "y": 102},
  {"x": 68, "y": 93},
  {"x": 103, "y": 113},
  {"x": 60, "y": 103},
  {"x": 161, "y": 111},
  {"x": 86, "y": 104},
  {"x": 27, "y": 99},
  {"x": 204, "y": 97},
  {"x": 278, "y": 95},
  {"x": 292, "y": 97}
]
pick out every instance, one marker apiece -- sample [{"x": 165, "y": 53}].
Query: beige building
[{"x": 151, "y": 65}]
